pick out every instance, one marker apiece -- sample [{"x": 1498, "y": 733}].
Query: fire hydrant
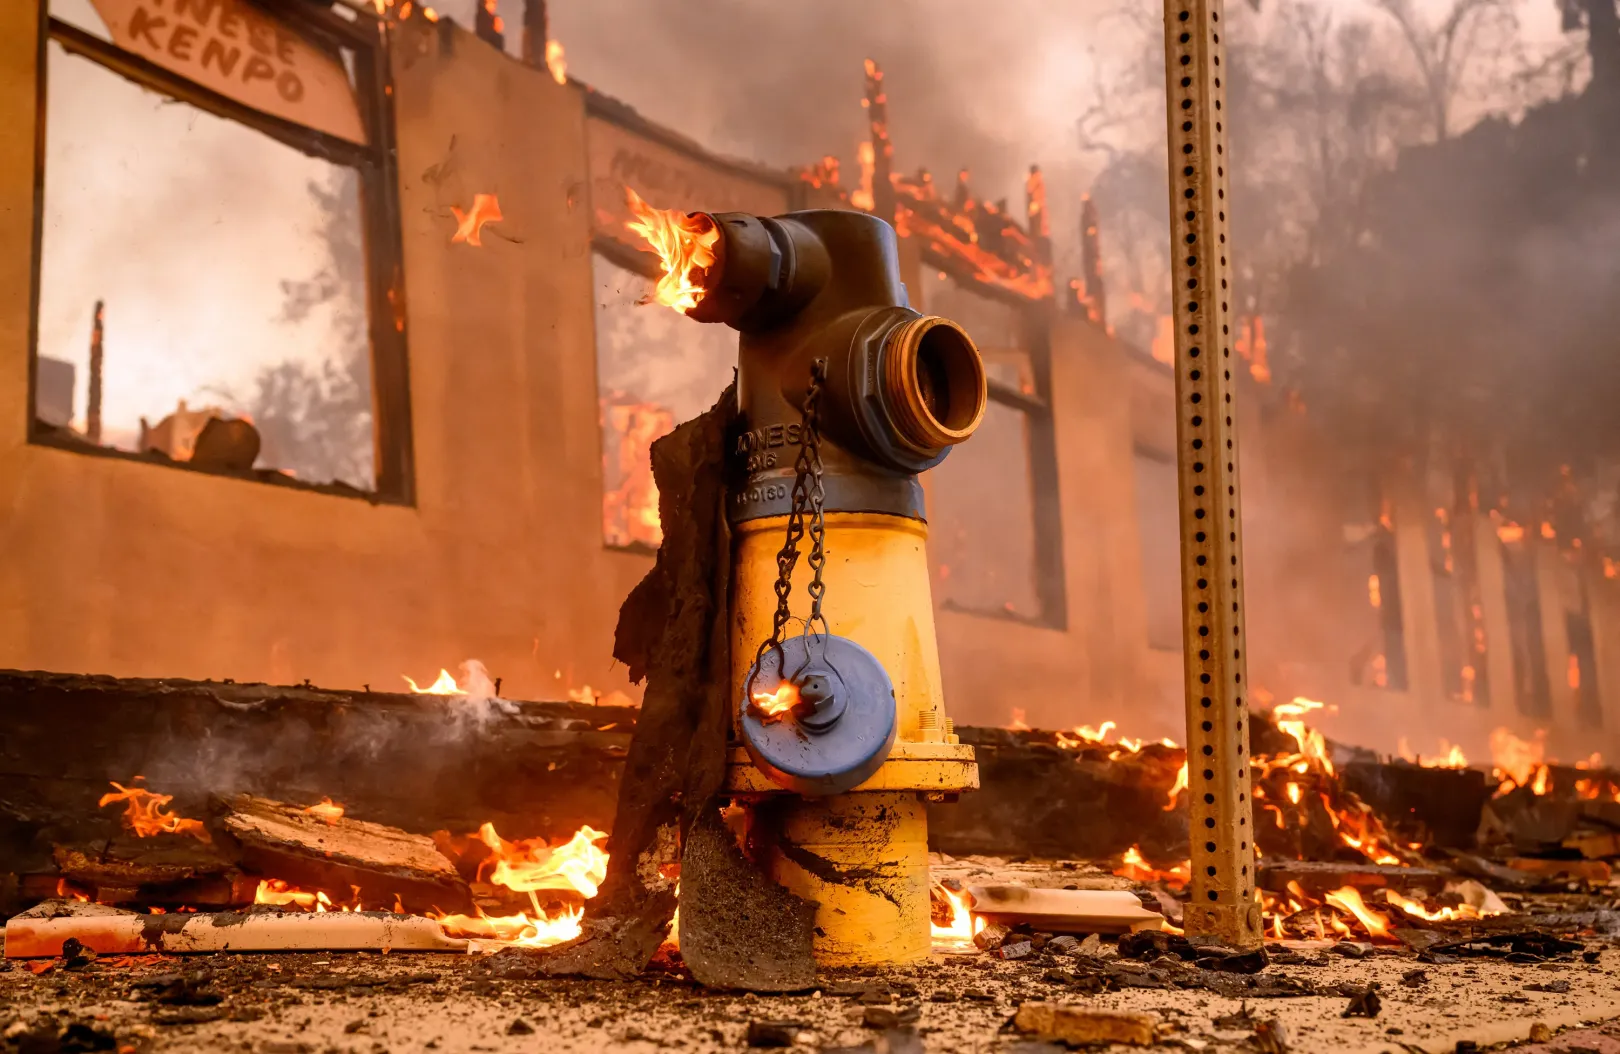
[{"x": 845, "y": 395}]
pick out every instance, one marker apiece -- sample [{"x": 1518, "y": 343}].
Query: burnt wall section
[
  {"x": 1037, "y": 799},
  {"x": 418, "y": 762}
]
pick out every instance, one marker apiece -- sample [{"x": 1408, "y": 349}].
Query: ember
[
  {"x": 685, "y": 247},
  {"x": 146, "y": 815},
  {"x": 327, "y": 810}
]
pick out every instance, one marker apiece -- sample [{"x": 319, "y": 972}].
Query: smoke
[
  {"x": 992, "y": 89},
  {"x": 481, "y": 705}
]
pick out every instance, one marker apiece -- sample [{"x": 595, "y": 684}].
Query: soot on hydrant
[{"x": 839, "y": 729}]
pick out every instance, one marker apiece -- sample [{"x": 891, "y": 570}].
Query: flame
[
  {"x": 1452, "y": 756},
  {"x": 529, "y": 864},
  {"x": 146, "y": 815},
  {"x": 281, "y": 894},
  {"x": 520, "y": 930},
  {"x": 470, "y": 224},
  {"x": 445, "y": 685},
  {"x": 1510, "y": 532},
  {"x": 1179, "y": 786},
  {"x": 1133, "y": 866},
  {"x": 1312, "y": 744},
  {"x": 685, "y": 247},
  {"x": 961, "y": 929},
  {"x": 1095, "y": 735},
  {"x": 1349, "y": 899},
  {"x": 1454, "y": 759},
  {"x": 630, "y": 507},
  {"x": 777, "y": 704},
  {"x": 557, "y": 61},
  {"x": 1461, "y": 912},
  {"x": 1164, "y": 341},
  {"x": 1018, "y": 723},
  {"x": 275, "y": 891},
  {"x": 1519, "y": 760},
  {"x": 1599, "y": 789},
  {"x": 1375, "y": 595},
  {"x": 1573, "y": 675},
  {"x": 326, "y": 809},
  {"x": 861, "y": 197}
]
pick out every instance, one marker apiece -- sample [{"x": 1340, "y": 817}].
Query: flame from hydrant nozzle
[{"x": 685, "y": 247}]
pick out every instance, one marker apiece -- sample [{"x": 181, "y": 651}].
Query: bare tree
[
  {"x": 315, "y": 415},
  {"x": 1473, "y": 34}
]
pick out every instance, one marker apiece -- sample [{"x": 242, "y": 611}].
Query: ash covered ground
[{"x": 369, "y": 1003}]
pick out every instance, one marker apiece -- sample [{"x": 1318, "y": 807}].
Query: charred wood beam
[
  {"x": 536, "y": 32},
  {"x": 92, "y": 413},
  {"x": 1093, "y": 296},
  {"x": 876, "y": 103},
  {"x": 1036, "y": 799},
  {"x": 489, "y": 26},
  {"x": 1433, "y": 804},
  {"x": 420, "y": 763}
]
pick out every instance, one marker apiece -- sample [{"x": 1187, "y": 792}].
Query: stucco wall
[{"x": 118, "y": 567}]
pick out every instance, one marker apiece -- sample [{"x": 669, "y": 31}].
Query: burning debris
[
  {"x": 315, "y": 859},
  {"x": 282, "y": 876},
  {"x": 146, "y": 814}
]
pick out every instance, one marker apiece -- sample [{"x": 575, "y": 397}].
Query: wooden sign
[
  {"x": 242, "y": 52},
  {"x": 666, "y": 178}
]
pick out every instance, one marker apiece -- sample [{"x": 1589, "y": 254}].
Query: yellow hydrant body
[{"x": 863, "y": 855}]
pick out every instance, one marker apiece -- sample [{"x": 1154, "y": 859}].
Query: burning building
[{"x": 385, "y": 483}]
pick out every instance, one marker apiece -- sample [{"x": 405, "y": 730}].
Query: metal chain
[{"x": 807, "y": 496}]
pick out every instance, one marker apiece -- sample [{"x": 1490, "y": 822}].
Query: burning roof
[{"x": 979, "y": 241}]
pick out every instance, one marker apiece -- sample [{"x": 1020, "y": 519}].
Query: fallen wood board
[
  {"x": 1596, "y": 872},
  {"x": 1082, "y": 1025},
  {"x": 387, "y": 865},
  {"x": 1492, "y": 873},
  {"x": 41, "y": 932},
  {"x": 167, "y": 871},
  {"x": 1324, "y": 876},
  {"x": 1595, "y": 845},
  {"x": 1062, "y": 910}
]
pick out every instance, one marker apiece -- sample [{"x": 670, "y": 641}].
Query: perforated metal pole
[{"x": 1223, "y": 907}]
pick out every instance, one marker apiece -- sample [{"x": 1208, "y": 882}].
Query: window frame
[
  {"x": 1051, "y": 587},
  {"x": 367, "y": 39}
]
